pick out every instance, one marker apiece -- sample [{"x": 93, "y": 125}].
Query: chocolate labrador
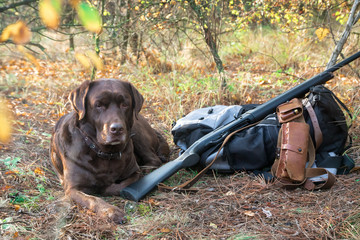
[{"x": 98, "y": 148}]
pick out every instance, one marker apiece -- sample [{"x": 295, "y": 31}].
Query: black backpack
[{"x": 254, "y": 149}]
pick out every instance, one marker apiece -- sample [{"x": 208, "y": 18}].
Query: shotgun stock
[{"x": 191, "y": 156}]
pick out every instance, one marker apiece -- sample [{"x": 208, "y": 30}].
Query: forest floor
[{"x": 229, "y": 206}]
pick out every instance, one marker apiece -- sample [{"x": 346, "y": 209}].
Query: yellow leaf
[
  {"x": 39, "y": 171},
  {"x": 18, "y": 31},
  {"x": 49, "y": 11},
  {"x": 248, "y": 99},
  {"x": 213, "y": 225},
  {"x": 29, "y": 131},
  {"x": 321, "y": 33},
  {"x": 165, "y": 230},
  {"x": 74, "y": 3},
  {"x": 6, "y": 34},
  {"x": 95, "y": 59},
  {"x": 83, "y": 60},
  {"x": 5, "y": 122}
]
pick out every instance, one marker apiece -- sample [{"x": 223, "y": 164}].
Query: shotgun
[{"x": 191, "y": 156}]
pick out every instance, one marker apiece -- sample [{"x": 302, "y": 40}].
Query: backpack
[{"x": 255, "y": 148}]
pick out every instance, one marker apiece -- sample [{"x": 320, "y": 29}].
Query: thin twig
[{"x": 18, "y": 221}]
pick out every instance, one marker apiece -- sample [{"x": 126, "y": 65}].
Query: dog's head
[{"x": 109, "y": 106}]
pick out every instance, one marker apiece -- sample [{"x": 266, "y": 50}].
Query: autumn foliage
[{"x": 49, "y": 47}]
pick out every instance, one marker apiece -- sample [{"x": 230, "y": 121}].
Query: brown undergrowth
[{"x": 233, "y": 206}]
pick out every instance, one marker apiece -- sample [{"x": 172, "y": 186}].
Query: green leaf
[
  {"x": 57, "y": 5},
  {"x": 89, "y": 17}
]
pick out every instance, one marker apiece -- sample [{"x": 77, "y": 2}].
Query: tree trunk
[
  {"x": 126, "y": 34},
  {"x": 71, "y": 42},
  {"x": 210, "y": 41},
  {"x": 340, "y": 44}
]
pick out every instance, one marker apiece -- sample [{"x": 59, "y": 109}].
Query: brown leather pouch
[
  {"x": 293, "y": 151},
  {"x": 289, "y": 111}
]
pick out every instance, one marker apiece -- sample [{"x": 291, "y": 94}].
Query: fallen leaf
[
  {"x": 145, "y": 233},
  {"x": 17, "y": 207},
  {"x": 14, "y": 172},
  {"x": 165, "y": 230},
  {"x": 248, "y": 99},
  {"x": 153, "y": 202},
  {"x": 39, "y": 171},
  {"x": 249, "y": 213},
  {"x": 230, "y": 193},
  {"x": 6, "y": 187},
  {"x": 213, "y": 225}
]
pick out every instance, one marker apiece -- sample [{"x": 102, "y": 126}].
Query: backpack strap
[{"x": 314, "y": 120}]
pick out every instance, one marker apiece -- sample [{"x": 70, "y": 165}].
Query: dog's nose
[{"x": 116, "y": 128}]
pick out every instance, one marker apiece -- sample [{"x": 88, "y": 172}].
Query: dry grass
[{"x": 235, "y": 206}]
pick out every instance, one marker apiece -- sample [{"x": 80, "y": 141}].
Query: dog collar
[{"x": 93, "y": 146}]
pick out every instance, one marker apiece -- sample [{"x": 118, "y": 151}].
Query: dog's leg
[
  {"x": 97, "y": 205},
  {"x": 114, "y": 189}
]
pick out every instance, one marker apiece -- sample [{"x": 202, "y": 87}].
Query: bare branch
[{"x": 14, "y": 5}]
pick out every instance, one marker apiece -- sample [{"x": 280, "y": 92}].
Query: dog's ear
[
  {"x": 77, "y": 99},
  {"x": 137, "y": 99}
]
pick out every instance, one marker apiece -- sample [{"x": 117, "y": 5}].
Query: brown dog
[{"x": 98, "y": 148}]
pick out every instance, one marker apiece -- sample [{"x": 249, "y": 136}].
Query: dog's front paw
[{"x": 115, "y": 215}]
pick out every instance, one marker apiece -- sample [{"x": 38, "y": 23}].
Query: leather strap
[
  {"x": 187, "y": 185},
  {"x": 292, "y": 148},
  {"x": 315, "y": 172},
  {"x": 317, "y": 130}
]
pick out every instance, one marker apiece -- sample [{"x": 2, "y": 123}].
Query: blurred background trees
[{"x": 158, "y": 30}]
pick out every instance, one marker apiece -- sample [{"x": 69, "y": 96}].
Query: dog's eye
[
  {"x": 124, "y": 105},
  {"x": 99, "y": 105}
]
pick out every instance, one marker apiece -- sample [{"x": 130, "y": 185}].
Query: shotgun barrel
[{"x": 191, "y": 156}]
